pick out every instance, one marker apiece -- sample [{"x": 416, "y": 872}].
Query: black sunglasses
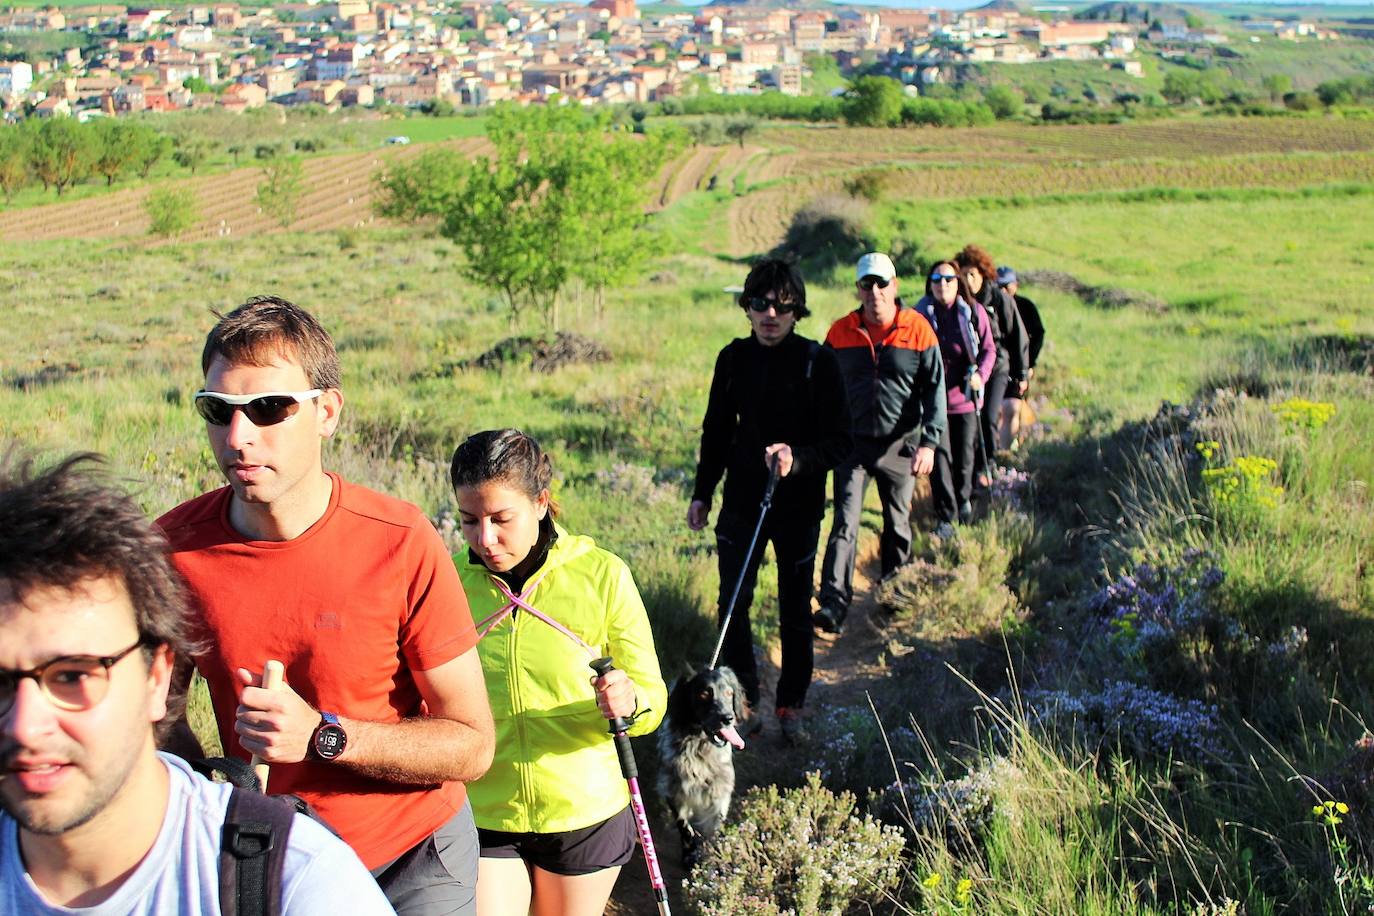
[
  {"x": 760, "y": 304},
  {"x": 943, "y": 278},
  {"x": 266, "y": 409},
  {"x": 868, "y": 283}
]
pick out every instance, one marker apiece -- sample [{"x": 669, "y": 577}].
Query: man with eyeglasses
[
  {"x": 383, "y": 714},
  {"x": 775, "y": 397},
  {"x": 895, "y": 379},
  {"x": 92, "y": 818}
]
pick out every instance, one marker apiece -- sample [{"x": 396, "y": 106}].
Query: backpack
[{"x": 254, "y": 839}]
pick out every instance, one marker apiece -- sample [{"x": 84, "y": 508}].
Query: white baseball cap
[{"x": 875, "y": 264}]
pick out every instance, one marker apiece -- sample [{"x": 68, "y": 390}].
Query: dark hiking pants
[
  {"x": 794, "y": 547},
  {"x": 889, "y": 464},
  {"x": 952, "y": 483},
  {"x": 995, "y": 393}
]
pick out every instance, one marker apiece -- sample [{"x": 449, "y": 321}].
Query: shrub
[
  {"x": 868, "y": 185},
  {"x": 827, "y": 231},
  {"x": 171, "y": 211},
  {"x": 1135, "y": 719},
  {"x": 797, "y": 852},
  {"x": 965, "y": 590}
]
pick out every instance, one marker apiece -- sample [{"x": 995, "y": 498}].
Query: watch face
[{"x": 330, "y": 741}]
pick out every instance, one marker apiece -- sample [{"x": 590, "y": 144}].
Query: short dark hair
[
  {"x": 268, "y": 326},
  {"x": 68, "y": 524},
  {"x": 774, "y": 275},
  {"x": 504, "y": 455}
]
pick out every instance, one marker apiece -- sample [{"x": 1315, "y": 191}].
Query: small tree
[
  {"x": 741, "y": 128},
  {"x": 115, "y": 146},
  {"x": 873, "y": 101},
  {"x": 1277, "y": 85},
  {"x": 14, "y": 161},
  {"x": 171, "y": 211},
  {"x": 60, "y": 152},
  {"x": 1004, "y": 101},
  {"x": 192, "y": 151},
  {"x": 279, "y": 193},
  {"x": 150, "y": 147}
]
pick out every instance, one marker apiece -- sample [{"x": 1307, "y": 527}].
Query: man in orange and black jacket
[{"x": 890, "y": 360}]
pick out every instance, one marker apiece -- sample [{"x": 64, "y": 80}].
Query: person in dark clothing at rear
[
  {"x": 1035, "y": 336},
  {"x": 775, "y": 397},
  {"x": 1013, "y": 358},
  {"x": 968, "y": 353},
  {"x": 892, "y": 371}
]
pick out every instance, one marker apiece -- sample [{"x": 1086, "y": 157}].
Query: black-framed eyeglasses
[
  {"x": 867, "y": 283},
  {"x": 70, "y": 682},
  {"x": 760, "y": 304},
  {"x": 266, "y": 409}
]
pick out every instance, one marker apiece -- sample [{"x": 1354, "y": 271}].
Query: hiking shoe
[
  {"x": 829, "y": 619},
  {"x": 944, "y": 531},
  {"x": 965, "y": 512},
  {"x": 793, "y": 722}
]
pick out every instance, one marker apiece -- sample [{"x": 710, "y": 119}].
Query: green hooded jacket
[{"x": 556, "y": 767}]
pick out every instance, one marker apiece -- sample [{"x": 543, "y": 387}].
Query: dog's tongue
[{"x": 732, "y": 736}]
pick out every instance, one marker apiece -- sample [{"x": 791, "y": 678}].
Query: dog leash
[{"x": 748, "y": 555}]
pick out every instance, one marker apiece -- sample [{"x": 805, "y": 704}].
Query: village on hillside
[{"x": 478, "y": 52}]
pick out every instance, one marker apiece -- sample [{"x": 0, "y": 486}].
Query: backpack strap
[
  {"x": 235, "y": 771},
  {"x": 252, "y": 854},
  {"x": 812, "y": 348}
]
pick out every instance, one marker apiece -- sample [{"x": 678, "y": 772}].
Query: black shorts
[{"x": 608, "y": 844}]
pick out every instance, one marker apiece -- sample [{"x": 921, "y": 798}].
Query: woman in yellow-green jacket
[{"x": 552, "y": 813}]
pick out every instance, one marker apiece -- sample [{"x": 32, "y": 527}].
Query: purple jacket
[{"x": 955, "y": 326}]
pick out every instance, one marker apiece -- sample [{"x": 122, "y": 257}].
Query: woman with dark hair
[
  {"x": 1007, "y": 332},
  {"x": 552, "y": 813},
  {"x": 969, "y": 353},
  {"x": 776, "y": 397}
]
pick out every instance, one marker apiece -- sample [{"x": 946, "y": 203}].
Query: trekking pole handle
[
  {"x": 617, "y": 725},
  {"x": 272, "y": 673},
  {"x": 772, "y": 481}
]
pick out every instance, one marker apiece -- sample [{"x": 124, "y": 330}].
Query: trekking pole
[
  {"x": 748, "y": 555},
  {"x": 618, "y": 726},
  {"x": 982, "y": 438},
  {"x": 272, "y": 672}
]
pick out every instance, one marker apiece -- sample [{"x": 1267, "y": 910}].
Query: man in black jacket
[{"x": 776, "y": 397}]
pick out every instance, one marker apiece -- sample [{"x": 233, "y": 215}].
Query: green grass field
[{"x": 1264, "y": 295}]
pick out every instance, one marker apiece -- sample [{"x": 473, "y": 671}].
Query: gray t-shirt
[{"x": 180, "y": 875}]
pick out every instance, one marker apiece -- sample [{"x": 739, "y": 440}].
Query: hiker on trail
[
  {"x": 553, "y": 811},
  {"x": 775, "y": 397},
  {"x": 383, "y": 714},
  {"x": 895, "y": 379},
  {"x": 1009, "y": 371},
  {"x": 1035, "y": 339},
  {"x": 92, "y": 818},
  {"x": 968, "y": 353}
]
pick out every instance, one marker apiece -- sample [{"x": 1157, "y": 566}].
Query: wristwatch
[{"x": 330, "y": 739}]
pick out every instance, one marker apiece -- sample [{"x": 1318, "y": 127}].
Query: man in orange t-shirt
[{"x": 383, "y": 714}]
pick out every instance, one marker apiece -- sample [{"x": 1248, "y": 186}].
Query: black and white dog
[{"x": 697, "y": 776}]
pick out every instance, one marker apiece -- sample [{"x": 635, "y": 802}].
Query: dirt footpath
[{"x": 844, "y": 667}]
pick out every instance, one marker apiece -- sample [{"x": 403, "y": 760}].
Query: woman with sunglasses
[
  {"x": 553, "y": 816},
  {"x": 1009, "y": 334},
  {"x": 776, "y": 397},
  {"x": 969, "y": 354}
]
